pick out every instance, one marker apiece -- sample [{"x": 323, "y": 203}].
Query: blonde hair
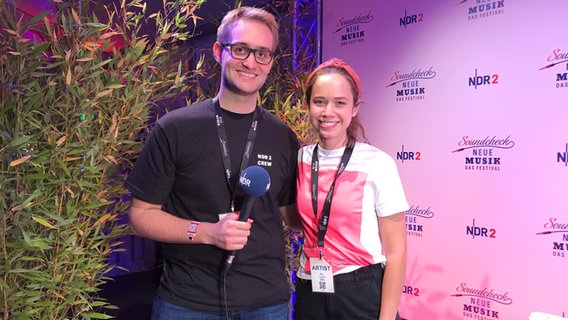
[{"x": 246, "y": 13}]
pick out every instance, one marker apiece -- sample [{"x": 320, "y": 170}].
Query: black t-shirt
[{"x": 181, "y": 167}]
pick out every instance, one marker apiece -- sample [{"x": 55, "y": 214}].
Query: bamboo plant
[{"x": 73, "y": 110}]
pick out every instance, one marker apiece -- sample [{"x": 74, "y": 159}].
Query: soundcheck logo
[
  {"x": 558, "y": 230},
  {"x": 405, "y": 155},
  {"x": 410, "y": 85},
  {"x": 483, "y": 80},
  {"x": 480, "y": 9},
  {"x": 351, "y": 30},
  {"x": 414, "y": 218},
  {"x": 562, "y": 156},
  {"x": 481, "y": 303},
  {"x": 483, "y": 154},
  {"x": 411, "y": 19},
  {"x": 558, "y": 60}
]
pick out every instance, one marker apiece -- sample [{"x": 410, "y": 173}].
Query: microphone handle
[
  {"x": 246, "y": 208},
  {"x": 243, "y": 216}
]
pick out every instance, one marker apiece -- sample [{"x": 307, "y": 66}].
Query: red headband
[{"x": 337, "y": 63}]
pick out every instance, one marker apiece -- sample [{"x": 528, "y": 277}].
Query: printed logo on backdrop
[
  {"x": 558, "y": 61},
  {"x": 411, "y": 291},
  {"x": 405, "y": 155},
  {"x": 411, "y": 85},
  {"x": 484, "y": 154},
  {"x": 410, "y": 19},
  {"x": 476, "y": 231},
  {"x": 558, "y": 231},
  {"x": 481, "y": 9},
  {"x": 482, "y": 303},
  {"x": 483, "y": 80},
  {"x": 351, "y": 30},
  {"x": 415, "y": 218},
  {"x": 562, "y": 156}
]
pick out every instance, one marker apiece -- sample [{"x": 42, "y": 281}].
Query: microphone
[{"x": 255, "y": 182}]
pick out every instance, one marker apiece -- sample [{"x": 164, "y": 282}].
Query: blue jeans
[{"x": 163, "y": 310}]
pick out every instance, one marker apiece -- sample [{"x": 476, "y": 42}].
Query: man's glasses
[{"x": 242, "y": 52}]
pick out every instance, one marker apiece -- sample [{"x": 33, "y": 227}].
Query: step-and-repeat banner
[{"x": 471, "y": 99}]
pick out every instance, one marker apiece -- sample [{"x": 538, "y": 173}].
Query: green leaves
[{"x": 71, "y": 110}]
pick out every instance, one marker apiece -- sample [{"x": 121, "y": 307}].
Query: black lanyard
[
  {"x": 324, "y": 220},
  {"x": 224, "y": 145}
]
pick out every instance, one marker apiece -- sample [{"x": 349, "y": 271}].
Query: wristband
[{"x": 192, "y": 230}]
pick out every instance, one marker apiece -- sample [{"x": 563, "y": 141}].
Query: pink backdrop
[{"x": 471, "y": 99}]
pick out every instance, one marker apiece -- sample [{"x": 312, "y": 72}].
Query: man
[{"x": 186, "y": 195}]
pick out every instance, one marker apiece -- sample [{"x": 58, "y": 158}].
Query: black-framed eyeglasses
[{"x": 242, "y": 52}]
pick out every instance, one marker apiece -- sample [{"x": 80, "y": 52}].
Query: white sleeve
[{"x": 389, "y": 192}]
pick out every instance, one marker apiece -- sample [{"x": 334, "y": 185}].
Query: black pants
[{"x": 357, "y": 296}]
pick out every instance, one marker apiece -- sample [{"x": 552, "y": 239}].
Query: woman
[{"x": 352, "y": 207}]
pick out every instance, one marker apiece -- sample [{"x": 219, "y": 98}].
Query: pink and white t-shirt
[{"x": 370, "y": 187}]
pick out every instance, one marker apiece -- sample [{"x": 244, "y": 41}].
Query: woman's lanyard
[
  {"x": 324, "y": 220},
  {"x": 224, "y": 145}
]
